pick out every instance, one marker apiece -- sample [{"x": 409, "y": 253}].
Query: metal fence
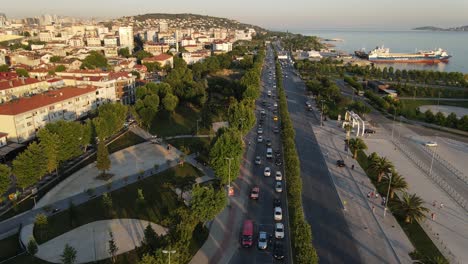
[{"x": 460, "y": 175}]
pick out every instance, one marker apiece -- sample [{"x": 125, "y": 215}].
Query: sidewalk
[
  {"x": 449, "y": 230},
  {"x": 379, "y": 239}
]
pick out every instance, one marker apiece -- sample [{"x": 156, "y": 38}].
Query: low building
[
  {"x": 93, "y": 42},
  {"x": 194, "y": 57},
  {"x": 14, "y": 88},
  {"x": 156, "y": 48},
  {"x": 22, "y": 118},
  {"x": 110, "y": 41},
  {"x": 162, "y": 59},
  {"x": 222, "y": 46}
]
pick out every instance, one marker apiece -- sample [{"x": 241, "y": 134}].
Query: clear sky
[{"x": 272, "y": 14}]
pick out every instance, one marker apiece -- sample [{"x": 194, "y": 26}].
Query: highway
[
  {"x": 322, "y": 207},
  {"x": 261, "y": 210}
]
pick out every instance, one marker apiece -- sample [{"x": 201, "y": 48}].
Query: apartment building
[
  {"x": 156, "y": 48},
  {"x": 126, "y": 37},
  {"x": 22, "y": 118},
  {"x": 12, "y": 88},
  {"x": 162, "y": 59}
]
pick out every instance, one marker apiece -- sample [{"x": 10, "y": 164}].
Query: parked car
[
  {"x": 278, "y": 250},
  {"x": 268, "y": 143},
  {"x": 430, "y": 144},
  {"x": 260, "y": 139},
  {"x": 278, "y": 161},
  {"x": 267, "y": 171},
  {"x": 340, "y": 163},
  {"x": 279, "y": 230},
  {"x": 262, "y": 240},
  {"x": 276, "y": 130},
  {"x": 278, "y": 176},
  {"x": 255, "y": 193},
  {"x": 276, "y": 203},
  {"x": 278, "y": 214},
  {"x": 278, "y": 187},
  {"x": 369, "y": 131},
  {"x": 258, "y": 160}
]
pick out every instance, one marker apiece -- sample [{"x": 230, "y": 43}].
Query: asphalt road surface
[
  {"x": 261, "y": 210},
  {"x": 322, "y": 207}
]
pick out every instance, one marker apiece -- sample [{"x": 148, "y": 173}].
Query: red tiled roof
[
  {"x": 8, "y": 75},
  {"x": 18, "y": 82},
  {"x": 27, "y": 104},
  {"x": 2, "y": 135},
  {"x": 160, "y": 57},
  {"x": 54, "y": 80}
]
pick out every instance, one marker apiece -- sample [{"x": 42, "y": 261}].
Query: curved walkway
[{"x": 91, "y": 241}]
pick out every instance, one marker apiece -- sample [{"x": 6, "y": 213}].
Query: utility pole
[
  {"x": 169, "y": 252},
  {"x": 229, "y": 179}
]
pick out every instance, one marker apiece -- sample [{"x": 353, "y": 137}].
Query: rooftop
[{"x": 27, "y": 104}]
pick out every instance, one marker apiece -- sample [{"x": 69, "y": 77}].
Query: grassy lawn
[
  {"x": 182, "y": 122},
  {"x": 9, "y": 247},
  {"x": 160, "y": 200},
  {"x": 421, "y": 242},
  {"x": 125, "y": 141},
  {"x": 193, "y": 145}
]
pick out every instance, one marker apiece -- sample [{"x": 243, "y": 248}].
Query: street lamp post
[
  {"x": 169, "y": 252},
  {"x": 432, "y": 159},
  {"x": 393, "y": 124},
  {"x": 229, "y": 178},
  {"x": 388, "y": 193}
]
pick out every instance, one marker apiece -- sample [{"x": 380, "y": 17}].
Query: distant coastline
[{"x": 431, "y": 28}]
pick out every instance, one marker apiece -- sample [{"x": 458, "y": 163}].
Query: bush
[{"x": 301, "y": 234}]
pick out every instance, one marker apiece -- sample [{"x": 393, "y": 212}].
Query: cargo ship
[{"x": 381, "y": 54}]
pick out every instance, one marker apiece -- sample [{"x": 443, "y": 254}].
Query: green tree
[
  {"x": 451, "y": 120},
  {"x": 5, "y": 180},
  {"x": 32, "y": 246},
  {"x": 463, "y": 123},
  {"x": 381, "y": 166},
  {"x": 60, "y": 68},
  {"x": 4, "y": 68},
  {"x": 30, "y": 165},
  {"x": 207, "y": 202},
  {"x": 410, "y": 207},
  {"x": 151, "y": 239},
  {"x": 22, "y": 72},
  {"x": 107, "y": 201},
  {"x": 94, "y": 60},
  {"x": 112, "y": 247},
  {"x": 49, "y": 142},
  {"x": 440, "y": 119},
  {"x": 357, "y": 144},
  {"x": 170, "y": 102},
  {"x": 149, "y": 259},
  {"x": 41, "y": 222},
  {"x": 142, "y": 55},
  {"x": 55, "y": 59},
  {"x": 68, "y": 134},
  {"x": 69, "y": 255},
  {"x": 398, "y": 183},
  {"x": 125, "y": 52},
  {"x": 241, "y": 116},
  {"x": 429, "y": 116},
  {"x": 103, "y": 162},
  {"x": 227, "y": 145},
  {"x": 110, "y": 120}
]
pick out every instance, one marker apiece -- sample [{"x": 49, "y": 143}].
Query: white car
[
  {"x": 279, "y": 230},
  {"x": 267, "y": 171},
  {"x": 278, "y": 214},
  {"x": 278, "y": 187},
  {"x": 258, "y": 160},
  {"x": 260, "y": 130},
  {"x": 430, "y": 144},
  {"x": 278, "y": 176},
  {"x": 260, "y": 139}
]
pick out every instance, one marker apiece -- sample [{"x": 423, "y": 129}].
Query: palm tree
[
  {"x": 356, "y": 144},
  {"x": 381, "y": 166},
  {"x": 411, "y": 207},
  {"x": 397, "y": 182}
]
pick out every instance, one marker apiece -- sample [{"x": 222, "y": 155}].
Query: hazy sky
[{"x": 272, "y": 14}]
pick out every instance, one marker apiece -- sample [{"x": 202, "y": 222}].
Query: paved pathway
[
  {"x": 125, "y": 162},
  {"x": 91, "y": 240},
  {"x": 379, "y": 239}
]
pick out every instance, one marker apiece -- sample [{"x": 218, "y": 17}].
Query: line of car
[{"x": 272, "y": 156}]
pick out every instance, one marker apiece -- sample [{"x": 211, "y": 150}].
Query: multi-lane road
[
  {"x": 261, "y": 210},
  {"x": 322, "y": 207}
]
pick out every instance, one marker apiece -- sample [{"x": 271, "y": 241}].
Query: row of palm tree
[{"x": 410, "y": 206}]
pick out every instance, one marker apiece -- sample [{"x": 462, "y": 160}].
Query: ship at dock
[{"x": 381, "y": 54}]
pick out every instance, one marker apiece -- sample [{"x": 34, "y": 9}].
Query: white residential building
[
  {"x": 21, "y": 119},
  {"x": 126, "y": 37}
]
